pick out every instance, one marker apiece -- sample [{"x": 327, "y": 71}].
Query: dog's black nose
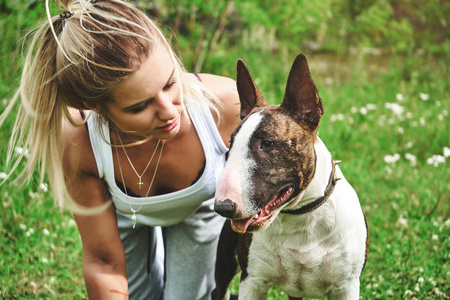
[{"x": 225, "y": 208}]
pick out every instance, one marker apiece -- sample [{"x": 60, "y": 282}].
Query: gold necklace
[
  {"x": 140, "y": 183},
  {"x": 134, "y": 211}
]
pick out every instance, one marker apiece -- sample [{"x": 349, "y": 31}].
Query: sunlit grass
[{"x": 385, "y": 118}]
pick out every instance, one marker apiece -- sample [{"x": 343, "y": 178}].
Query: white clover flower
[
  {"x": 3, "y": 175},
  {"x": 399, "y": 97},
  {"x": 424, "y": 97},
  {"x": 400, "y": 130},
  {"x": 420, "y": 280},
  {"x": 44, "y": 260},
  {"x": 43, "y": 187},
  {"x": 422, "y": 121},
  {"x": 392, "y": 159},
  {"x": 447, "y": 223},
  {"x": 408, "y": 293},
  {"x": 435, "y": 237},
  {"x": 435, "y": 160},
  {"x": 396, "y": 109},
  {"x": 446, "y": 152},
  {"x": 412, "y": 159},
  {"x": 21, "y": 151},
  {"x": 440, "y": 117},
  {"x": 438, "y": 103},
  {"x": 22, "y": 226},
  {"x": 363, "y": 110},
  {"x": 45, "y": 231},
  {"x": 29, "y": 232},
  {"x": 354, "y": 109},
  {"x": 409, "y": 115},
  {"x": 337, "y": 117},
  {"x": 371, "y": 106},
  {"x": 445, "y": 112},
  {"x": 402, "y": 222},
  {"x": 389, "y": 293},
  {"x": 409, "y": 145},
  {"x": 417, "y": 288}
]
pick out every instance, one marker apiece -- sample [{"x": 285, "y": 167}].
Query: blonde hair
[{"x": 77, "y": 62}]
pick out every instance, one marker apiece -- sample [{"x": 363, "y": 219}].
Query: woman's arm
[{"x": 104, "y": 264}]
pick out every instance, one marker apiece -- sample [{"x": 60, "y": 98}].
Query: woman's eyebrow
[{"x": 137, "y": 105}]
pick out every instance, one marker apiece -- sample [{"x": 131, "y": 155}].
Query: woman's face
[{"x": 149, "y": 102}]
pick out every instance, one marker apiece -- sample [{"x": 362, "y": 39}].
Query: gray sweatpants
[{"x": 189, "y": 256}]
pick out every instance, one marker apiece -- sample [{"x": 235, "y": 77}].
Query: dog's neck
[{"x": 321, "y": 181}]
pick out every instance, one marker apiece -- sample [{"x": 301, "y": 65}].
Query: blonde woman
[{"x": 131, "y": 143}]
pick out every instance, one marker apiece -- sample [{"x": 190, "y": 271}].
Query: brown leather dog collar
[{"x": 318, "y": 202}]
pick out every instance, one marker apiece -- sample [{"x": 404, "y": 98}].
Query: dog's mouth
[{"x": 257, "y": 221}]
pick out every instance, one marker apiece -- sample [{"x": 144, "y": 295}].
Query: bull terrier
[{"x": 293, "y": 219}]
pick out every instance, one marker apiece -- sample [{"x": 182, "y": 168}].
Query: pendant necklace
[
  {"x": 140, "y": 183},
  {"x": 134, "y": 211}
]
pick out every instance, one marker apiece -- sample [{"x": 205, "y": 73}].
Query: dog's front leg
[
  {"x": 349, "y": 292},
  {"x": 253, "y": 289}
]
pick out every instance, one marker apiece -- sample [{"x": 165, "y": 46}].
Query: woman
[{"x": 110, "y": 115}]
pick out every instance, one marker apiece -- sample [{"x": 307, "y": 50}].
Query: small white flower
[
  {"x": 422, "y": 121},
  {"x": 446, "y": 152},
  {"x": 412, "y": 159},
  {"x": 424, "y": 97},
  {"x": 420, "y": 280},
  {"x": 371, "y": 106},
  {"x": 447, "y": 223},
  {"x": 44, "y": 260},
  {"x": 392, "y": 159},
  {"x": 445, "y": 112},
  {"x": 435, "y": 160},
  {"x": 43, "y": 187},
  {"x": 21, "y": 151},
  {"x": 435, "y": 237},
  {"x": 29, "y": 232},
  {"x": 71, "y": 223},
  {"x": 354, "y": 109},
  {"x": 363, "y": 110},
  {"x": 400, "y": 130},
  {"x": 438, "y": 103},
  {"x": 389, "y": 293},
  {"x": 45, "y": 231},
  {"x": 22, "y": 226},
  {"x": 409, "y": 115},
  {"x": 409, "y": 145},
  {"x": 3, "y": 175},
  {"x": 408, "y": 293},
  {"x": 402, "y": 222},
  {"x": 396, "y": 109},
  {"x": 399, "y": 97},
  {"x": 440, "y": 117}
]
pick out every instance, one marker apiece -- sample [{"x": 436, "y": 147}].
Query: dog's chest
[{"x": 296, "y": 260}]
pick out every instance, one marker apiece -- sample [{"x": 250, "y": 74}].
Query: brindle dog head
[{"x": 272, "y": 157}]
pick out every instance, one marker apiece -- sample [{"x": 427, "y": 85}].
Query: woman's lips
[{"x": 170, "y": 126}]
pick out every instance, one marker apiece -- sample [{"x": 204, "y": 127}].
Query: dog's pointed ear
[
  {"x": 249, "y": 93},
  {"x": 301, "y": 99}
]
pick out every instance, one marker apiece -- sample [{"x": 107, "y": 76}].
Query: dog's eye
[{"x": 266, "y": 144}]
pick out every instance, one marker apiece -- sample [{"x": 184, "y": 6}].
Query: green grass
[{"x": 406, "y": 203}]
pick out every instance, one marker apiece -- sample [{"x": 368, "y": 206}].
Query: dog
[{"x": 293, "y": 220}]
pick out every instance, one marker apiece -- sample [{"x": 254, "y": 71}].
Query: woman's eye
[
  {"x": 266, "y": 144},
  {"x": 140, "y": 108},
  {"x": 168, "y": 86}
]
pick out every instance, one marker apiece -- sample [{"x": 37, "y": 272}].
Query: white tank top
[{"x": 171, "y": 208}]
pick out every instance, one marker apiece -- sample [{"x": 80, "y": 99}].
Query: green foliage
[{"x": 386, "y": 118}]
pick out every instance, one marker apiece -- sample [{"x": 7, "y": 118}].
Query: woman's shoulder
[
  {"x": 78, "y": 153},
  {"x": 225, "y": 90}
]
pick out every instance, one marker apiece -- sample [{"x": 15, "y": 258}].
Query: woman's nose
[{"x": 166, "y": 109}]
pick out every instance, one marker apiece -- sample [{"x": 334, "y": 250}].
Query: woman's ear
[{"x": 94, "y": 108}]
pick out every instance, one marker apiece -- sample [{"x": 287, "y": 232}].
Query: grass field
[{"x": 386, "y": 118}]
